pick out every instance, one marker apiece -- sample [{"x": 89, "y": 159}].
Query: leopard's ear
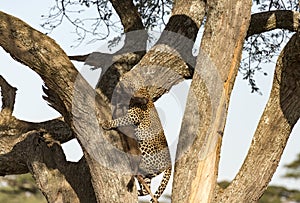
[{"x": 139, "y": 100}]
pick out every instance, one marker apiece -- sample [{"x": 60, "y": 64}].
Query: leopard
[{"x": 155, "y": 155}]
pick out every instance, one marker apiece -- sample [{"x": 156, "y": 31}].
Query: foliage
[
  {"x": 274, "y": 194},
  {"x": 277, "y": 194},
  {"x": 154, "y": 13},
  {"x": 20, "y": 188},
  {"x": 263, "y": 48},
  {"x": 278, "y": 5},
  {"x": 293, "y": 168},
  {"x": 98, "y": 20},
  {"x": 258, "y": 50}
]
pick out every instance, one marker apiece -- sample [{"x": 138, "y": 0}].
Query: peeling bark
[{"x": 204, "y": 119}]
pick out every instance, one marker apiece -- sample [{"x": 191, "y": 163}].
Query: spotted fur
[{"x": 155, "y": 155}]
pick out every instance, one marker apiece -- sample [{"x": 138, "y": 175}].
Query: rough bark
[
  {"x": 128, "y": 14},
  {"x": 107, "y": 164},
  {"x": 204, "y": 119},
  {"x": 57, "y": 178},
  {"x": 14, "y": 131},
  {"x": 267, "y": 21},
  {"x": 46, "y": 58},
  {"x": 31, "y": 147},
  {"x": 168, "y": 59},
  {"x": 62, "y": 84},
  {"x": 8, "y": 94},
  {"x": 171, "y": 57},
  {"x": 280, "y": 115}
]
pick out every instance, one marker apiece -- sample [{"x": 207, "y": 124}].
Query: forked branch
[{"x": 280, "y": 115}]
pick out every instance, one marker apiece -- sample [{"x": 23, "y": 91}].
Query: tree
[
  {"x": 279, "y": 194},
  {"x": 274, "y": 194},
  {"x": 293, "y": 168},
  {"x": 104, "y": 172},
  {"x": 21, "y": 188}
]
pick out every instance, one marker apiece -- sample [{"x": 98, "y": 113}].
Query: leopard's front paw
[{"x": 105, "y": 125}]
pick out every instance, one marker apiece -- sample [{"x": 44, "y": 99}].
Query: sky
[{"x": 244, "y": 111}]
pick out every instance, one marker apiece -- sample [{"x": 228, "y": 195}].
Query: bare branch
[
  {"x": 142, "y": 181},
  {"x": 35, "y": 147},
  {"x": 55, "y": 177},
  {"x": 280, "y": 115},
  {"x": 104, "y": 60},
  {"x": 8, "y": 96},
  {"x": 44, "y": 56},
  {"x": 171, "y": 56},
  {"x": 59, "y": 130},
  {"x": 81, "y": 58},
  {"x": 267, "y": 21},
  {"x": 98, "y": 26},
  {"x": 132, "y": 51},
  {"x": 128, "y": 14},
  {"x": 73, "y": 97},
  {"x": 13, "y": 132}
]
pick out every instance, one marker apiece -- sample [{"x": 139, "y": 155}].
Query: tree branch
[
  {"x": 128, "y": 14},
  {"x": 134, "y": 44},
  {"x": 32, "y": 147},
  {"x": 142, "y": 181},
  {"x": 169, "y": 57},
  {"x": 115, "y": 65},
  {"x": 55, "y": 177},
  {"x": 14, "y": 132},
  {"x": 80, "y": 58},
  {"x": 267, "y": 21},
  {"x": 8, "y": 96},
  {"x": 73, "y": 97},
  {"x": 59, "y": 130},
  {"x": 280, "y": 115}
]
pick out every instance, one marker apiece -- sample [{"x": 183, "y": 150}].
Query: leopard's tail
[{"x": 163, "y": 184}]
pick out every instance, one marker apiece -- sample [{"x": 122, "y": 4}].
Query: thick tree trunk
[
  {"x": 63, "y": 82},
  {"x": 204, "y": 119}
]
